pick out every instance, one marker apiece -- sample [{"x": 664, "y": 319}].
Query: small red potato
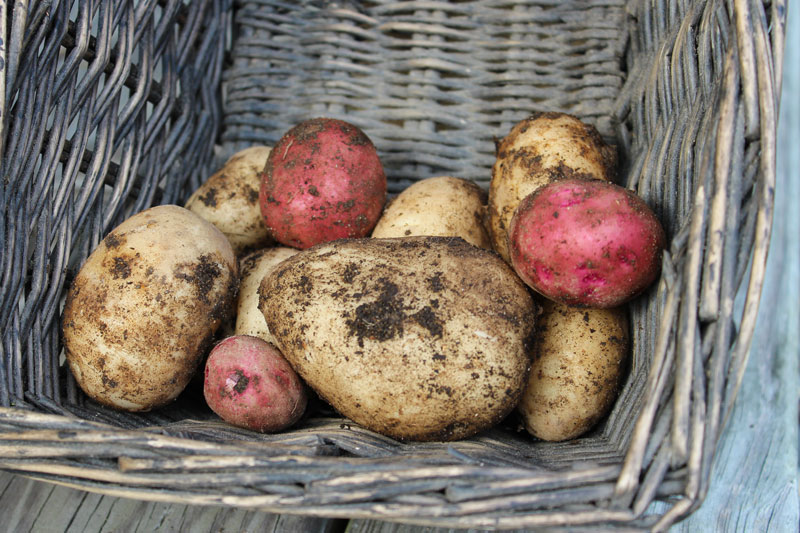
[
  {"x": 323, "y": 181},
  {"x": 249, "y": 384},
  {"x": 586, "y": 242}
]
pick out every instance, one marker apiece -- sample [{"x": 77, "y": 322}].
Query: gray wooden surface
[{"x": 755, "y": 477}]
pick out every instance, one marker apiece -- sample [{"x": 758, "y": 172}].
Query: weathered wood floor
[{"x": 755, "y": 481}]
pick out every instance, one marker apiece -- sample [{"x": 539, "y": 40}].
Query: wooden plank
[
  {"x": 90, "y": 514},
  {"x": 58, "y": 509},
  {"x": 112, "y": 514},
  {"x": 36, "y": 506},
  {"x": 21, "y": 503}
]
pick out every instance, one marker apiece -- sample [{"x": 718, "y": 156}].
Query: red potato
[
  {"x": 586, "y": 242},
  {"x": 249, "y": 384},
  {"x": 323, "y": 181}
]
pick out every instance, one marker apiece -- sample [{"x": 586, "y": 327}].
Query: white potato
[
  {"x": 144, "y": 307},
  {"x": 442, "y": 206},
  {"x": 418, "y": 338},
  {"x": 254, "y": 266},
  {"x": 229, "y": 200},
  {"x": 539, "y": 150},
  {"x": 579, "y": 356}
]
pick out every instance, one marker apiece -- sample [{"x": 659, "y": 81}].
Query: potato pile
[{"x": 430, "y": 317}]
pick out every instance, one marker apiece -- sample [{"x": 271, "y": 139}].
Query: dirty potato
[
  {"x": 144, "y": 307},
  {"x": 249, "y": 384},
  {"x": 579, "y": 356},
  {"x": 229, "y": 200},
  {"x": 443, "y": 206},
  {"x": 323, "y": 181},
  {"x": 418, "y": 338},
  {"x": 254, "y": 266}
]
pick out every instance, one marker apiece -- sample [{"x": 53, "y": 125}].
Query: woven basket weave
[{"x": 111, "y": 107}]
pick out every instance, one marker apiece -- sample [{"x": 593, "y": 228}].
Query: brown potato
[
  {"x": 144, "y": 308},
  {"x": 579, "y": 357},
  {"x": 539, "y": 150},
  {"x": 441, "y": 206},
  {"x": 229, "y": 200},
  {"x": 419, "y": 338},
  {"x": 254, "y": 266}
]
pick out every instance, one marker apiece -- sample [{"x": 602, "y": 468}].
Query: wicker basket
[{"x": 111, "y": 107}]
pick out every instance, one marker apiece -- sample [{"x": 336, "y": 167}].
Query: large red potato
[
  {"x": 586, "y": 242},
  {"x": 249, "y": 384},
  {"x": 323, "y": 181}
]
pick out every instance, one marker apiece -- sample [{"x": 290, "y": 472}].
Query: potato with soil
[
  {"x": 578, "y": 363},
  {"x": 143, "y": 310},
  {"x": 417, "y": 338},
  {"x": 229, "y": 200},
  {"x": 249, "y": 384},
  {"x": 539, "y": 150},
  {"x": 586, "y": 242},
  {"x": 443, "y": 206},
  {"x": 323, "y": 181},
  {"x": 254, "y": 267}
]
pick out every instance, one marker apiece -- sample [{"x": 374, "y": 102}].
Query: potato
[
  {"x": 579, "y": 358},
  {"x": 442, "y": 206},
  {"x": 417, "y": 338},
  {"x": 254, "y": 266},
  {"x": 143, "y": 310},
  {"x": 323, "y": 181},
  {"x": 539, "y": 150},
  {"x": 249, "y": 384},
  {"x": 586, "y": 242},
  {"x": 229, "y": 200}
]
